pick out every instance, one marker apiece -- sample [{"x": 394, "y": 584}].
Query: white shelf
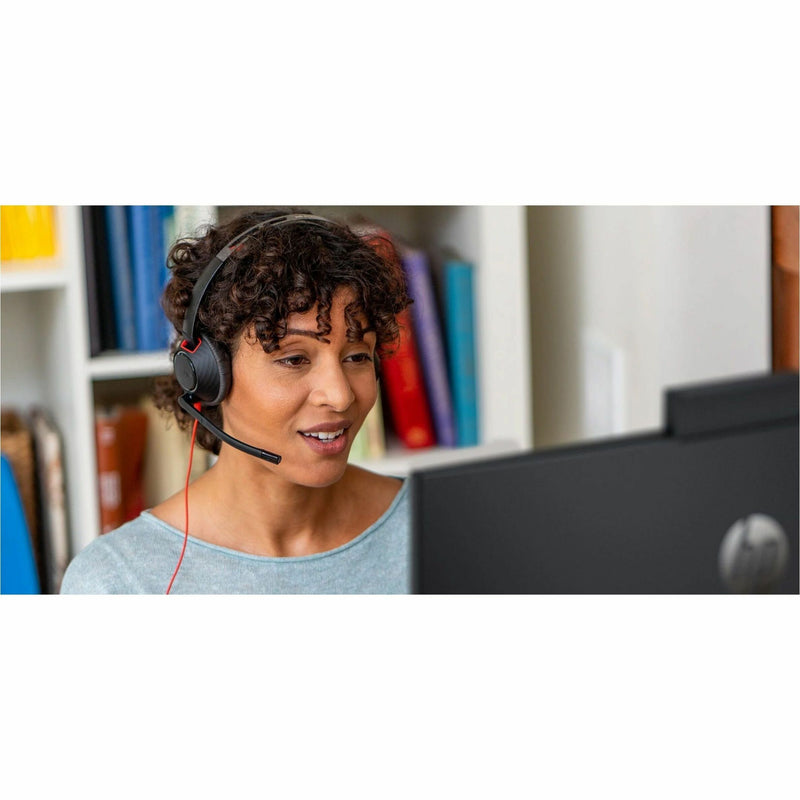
[
  {"x": 118, "y": 366},
  {"x": 36, "y": 275},
  {"x": 400, "y": 463}
]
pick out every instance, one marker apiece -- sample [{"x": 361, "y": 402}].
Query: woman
[{"x": 291, "y": 312}]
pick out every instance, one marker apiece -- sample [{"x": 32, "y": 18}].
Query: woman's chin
[{"x": 319, "y": 476}]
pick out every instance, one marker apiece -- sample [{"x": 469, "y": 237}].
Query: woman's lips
[
  {"x": 330, "y": 447},
  {"x": 329, "y": 427}
]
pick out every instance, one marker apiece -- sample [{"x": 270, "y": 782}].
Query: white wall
[{"x": 627, "y": 301}]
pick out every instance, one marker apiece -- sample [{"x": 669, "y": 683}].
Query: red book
[
  {"x": 121, "y": 435},
  {"x": 404, "y": 386},
  {"x": 131, "y": 440},
  {"x": 401, "y": 372}
]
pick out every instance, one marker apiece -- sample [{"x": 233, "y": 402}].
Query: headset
[{"x": 201, "y": 366}]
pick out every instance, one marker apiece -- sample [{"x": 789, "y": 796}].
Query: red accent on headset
[{"x": 185, "y": 346}]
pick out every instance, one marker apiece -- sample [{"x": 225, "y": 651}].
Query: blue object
[
  {"x": 17, "y": 565},
  {"x": 121, "y": 276},
  {"x": 164, "y": 241},
  {"x": 144, "y": 223},
  {"x": 460, "y": 330}
]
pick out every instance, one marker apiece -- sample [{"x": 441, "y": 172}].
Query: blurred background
[
  {"x": 626, "y": 301},
  {"x": 532, "y": 327}
]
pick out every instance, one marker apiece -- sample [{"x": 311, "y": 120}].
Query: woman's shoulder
[
  {"x": 385, "y": 487},
  {"x": 377, "y": 494},
  {"x": 107, "y": 564}
]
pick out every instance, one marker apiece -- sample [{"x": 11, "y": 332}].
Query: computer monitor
[{"x": 707, "y": 505}]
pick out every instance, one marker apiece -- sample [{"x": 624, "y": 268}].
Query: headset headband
[{"x": 220, "y": 258}]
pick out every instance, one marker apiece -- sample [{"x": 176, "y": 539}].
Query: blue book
[
  {"x": 164, "y": 240},
  {"x": 430, "y": 344},
  {"x": 121, "y": 276},
  {"x": 145, "y": 224},
  {"x": 460, "y": 335},
  {"x": 18, "y": 574}
]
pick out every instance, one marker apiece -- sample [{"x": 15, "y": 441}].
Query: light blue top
[{"x": 140, "y": 557}]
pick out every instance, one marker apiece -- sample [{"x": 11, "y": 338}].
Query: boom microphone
[{"x": 184, "y": 401}]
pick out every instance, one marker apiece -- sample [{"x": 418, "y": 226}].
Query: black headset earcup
[{"x": 204, "y": 372}]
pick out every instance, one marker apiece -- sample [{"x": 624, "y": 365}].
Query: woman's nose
[{"x": 332, "y": 387}]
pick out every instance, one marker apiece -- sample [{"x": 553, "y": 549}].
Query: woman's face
[{"x": 307, "y": 400}]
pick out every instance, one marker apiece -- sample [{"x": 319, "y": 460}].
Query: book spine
[
  {"x": 92, "y": 283},
  {"x": 370, "y": 441},
  {"x": 121, "y": 276},
  {"x": 105, "y": 289},
  {"x": 405, "y": 390},
  {"x": 402, "y": 382},
  {"x": 165, "y": 238},
  {"x": 166, "y": 456},
  {"x": 18, "y": 573},
  {"x": 18, "y": 446},
  {"x": 55, "y": 528},
  {"x": 27, "y": 232},
  {"x": 376, "y": 433},
  {"x": 427, "y": 328},
  {"x": 460, "y": 321},
  {"x": 359, "y": 447},
  {"x": 109, "y": 479},
  {"x": 131, "y": 443},
  {"x": 45, "y": 231},
  {"x": 785, "y": 224},
  {"x": 144, "y": 223}
]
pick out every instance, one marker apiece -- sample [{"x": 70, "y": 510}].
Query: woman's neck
[{"x": 248, "y": 508}]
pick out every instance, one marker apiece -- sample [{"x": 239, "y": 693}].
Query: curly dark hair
[{"x": 275, "y": 272}]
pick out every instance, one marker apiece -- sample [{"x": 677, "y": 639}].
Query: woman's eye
[
  {"x": 360, "y": 358},
  {"x": 292, "y": 361}
]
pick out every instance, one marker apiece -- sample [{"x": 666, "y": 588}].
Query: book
[
  {"x": 165, "y": 238},
  {"x": 18, "y": 448},
  {"x": 370, "y": 441},
  {"x": 121, "y": 277},
  {"x": 166, "y": 456},
  {"x": 785, "y": 224},
  {"x": 18, "y": 574},
  {"x": 99, "y": 293},
  {"x": 402, "y": 381},
  {"x": 27, "y": 232},
  {"x": 109, "y": 478},
  {"x": 53, "y": 502},
  {"x": 146, "y": 242},
  {"x": 132, "y": 425},
  {"x": 404, "y": 390},
  {"x": 121, "y": 438},
  {"x": 376, "y": 433},
  {"x": 428, "y": 332},
  {"x": 460, "y": 337},
  {"x": 92, "y": 293},
  {"x": 358, "y": 449}
]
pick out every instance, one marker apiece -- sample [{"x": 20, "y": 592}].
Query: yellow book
[
  {"x": 27, "y": 232},
  {"x": 44, "y": 230}
]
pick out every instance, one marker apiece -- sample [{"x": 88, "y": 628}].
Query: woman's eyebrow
[
  {"x": 301, "y": 332},
  {"x": 316, "y": 334}
]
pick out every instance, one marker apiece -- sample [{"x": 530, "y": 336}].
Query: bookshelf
[{"x": 45, "y": 339}]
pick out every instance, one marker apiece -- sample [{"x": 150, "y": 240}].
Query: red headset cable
[{"x": 186, "y": 502}]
